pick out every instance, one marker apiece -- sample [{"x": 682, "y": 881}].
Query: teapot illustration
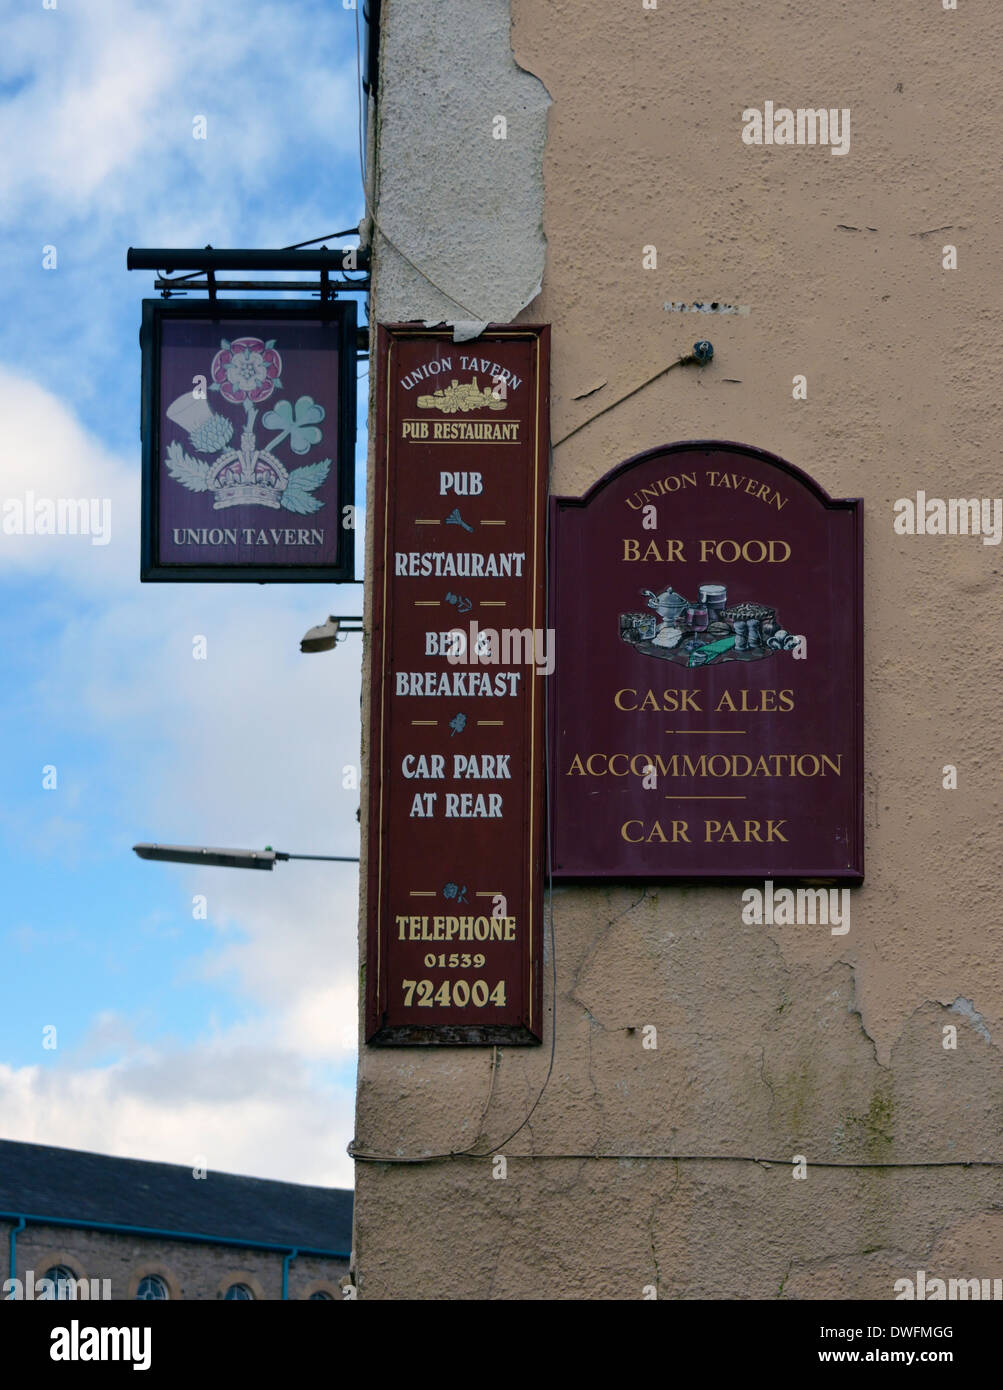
[{"x": 668, "y": 604}]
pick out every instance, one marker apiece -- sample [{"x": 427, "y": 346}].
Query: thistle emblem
[{"x": 246, "y": 372}]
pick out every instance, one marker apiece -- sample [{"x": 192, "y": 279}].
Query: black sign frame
[{"x": 343, "y": 313}]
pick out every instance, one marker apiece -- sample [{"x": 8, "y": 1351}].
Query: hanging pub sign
[
  {"x": 248, "y": 429},
  {"x": 706, "y": 703},
  {"x": 459, "y": 657}
]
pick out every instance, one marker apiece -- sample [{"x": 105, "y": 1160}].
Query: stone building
[
  {"x": 119, "y": 1228},
  {"x": 595, "y": 167}
]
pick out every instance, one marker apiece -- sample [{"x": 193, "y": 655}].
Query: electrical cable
[
  {"x": 470, "y": 1153},
  {"x": 297, "y": 246},
  {"x": 696, "y": 1158},
  {"x": 366, "y": 1156},
  {"x": 359, "y": 94},
  {"x": 371, "y": 211},
  {"x": 348, "y": 231},
  {"x": 370, "y": 1157},
  {"x": 698, "y": 355},
  {"x": 496, "y": 1148}
]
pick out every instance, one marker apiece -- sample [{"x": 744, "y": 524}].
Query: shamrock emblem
[{"x": 299, "y": 422}]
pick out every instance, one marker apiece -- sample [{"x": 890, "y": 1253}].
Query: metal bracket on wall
[{"x": 202, "y": 265}]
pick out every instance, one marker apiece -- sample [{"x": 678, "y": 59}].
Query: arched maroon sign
[{"x": 706, "y": 700}]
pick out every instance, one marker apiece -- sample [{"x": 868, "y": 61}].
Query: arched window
[
  {"x": 322, "y": 1293},
  {"x": 240, "y": 1285},
  {"x": 151, "y": 1286},
  {"x": 62, "y": 1276}
]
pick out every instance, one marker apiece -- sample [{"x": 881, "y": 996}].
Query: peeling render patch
[
  {"x": 589, "y": 390},
  {"x": 459, "y": 202},
  {"x": 966, "y": 1009},
  {"x": 704, "y": 306}
]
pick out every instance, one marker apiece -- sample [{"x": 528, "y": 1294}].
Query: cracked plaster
[{"x": 777, "y": 1041}]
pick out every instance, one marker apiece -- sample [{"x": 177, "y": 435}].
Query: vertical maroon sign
[
  {"x": 706, "y": 704},
  {"x": 455, "y": 855}
]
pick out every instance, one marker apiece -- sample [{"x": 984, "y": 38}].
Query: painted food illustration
[{"x": 706, "y": 631}]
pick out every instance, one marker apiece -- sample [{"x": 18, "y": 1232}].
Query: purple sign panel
[
  {"x": 706, "y": 702},
  {"x": 248, "y": 441}
]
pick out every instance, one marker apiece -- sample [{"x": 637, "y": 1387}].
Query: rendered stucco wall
[
  {"x": 672, "y": 1167},
  {"x": 459, "y": 235}
]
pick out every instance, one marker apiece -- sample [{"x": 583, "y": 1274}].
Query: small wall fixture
[{"x": 327, "y": 635}]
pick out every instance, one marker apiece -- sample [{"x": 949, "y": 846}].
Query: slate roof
[{"x": 37, "y": 1180}]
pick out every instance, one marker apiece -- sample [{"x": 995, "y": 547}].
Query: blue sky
[{"x": 230, "y": 1039}]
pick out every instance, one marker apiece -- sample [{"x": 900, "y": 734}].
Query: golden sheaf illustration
[{"x": 459, "y": 396}]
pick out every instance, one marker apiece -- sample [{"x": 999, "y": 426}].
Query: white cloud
[
  {"x": 49, "y": 455},
  {"x": 244, "y": 748},
  {"x": 251, "y": 1111},
  {"x": 115, "y": 86}
]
